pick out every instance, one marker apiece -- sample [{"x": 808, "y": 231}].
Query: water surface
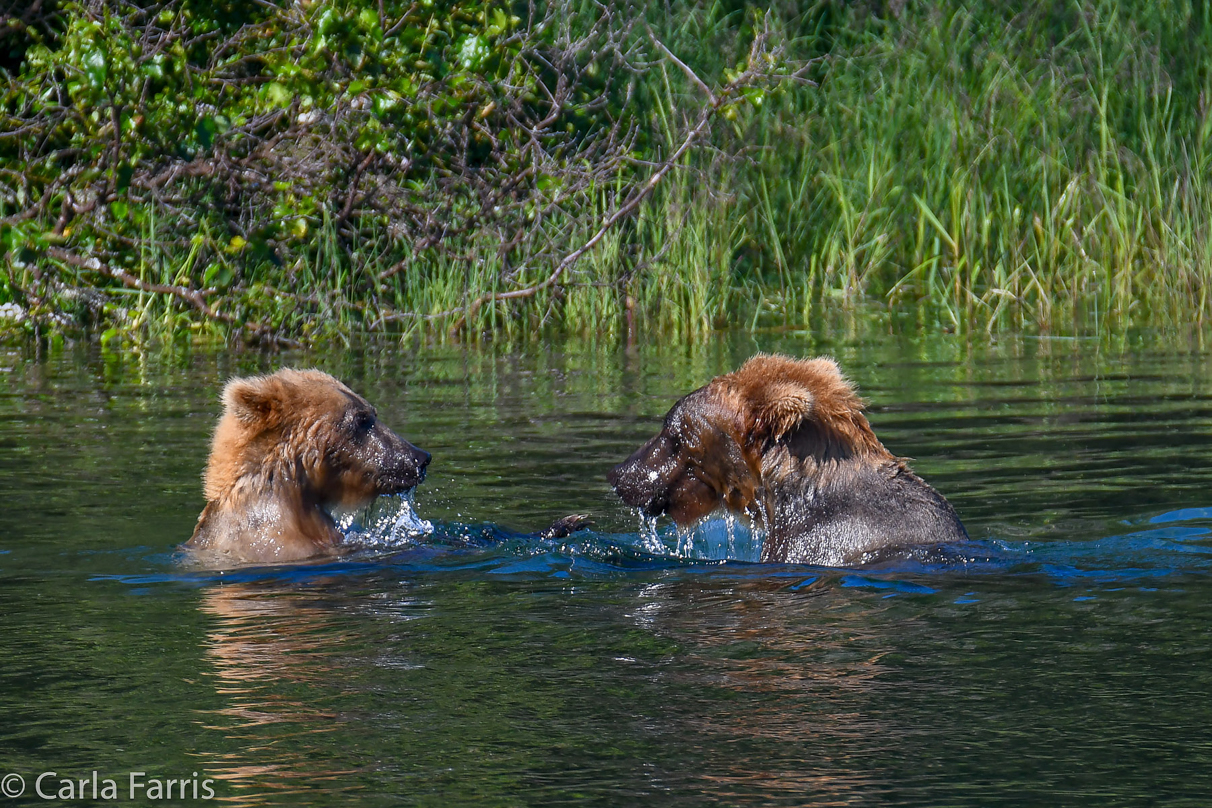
[{"x": 1062, "y": 658}]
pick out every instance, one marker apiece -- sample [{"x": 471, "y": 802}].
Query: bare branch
[
  {"x": 690, "y": 74},
  {"x": 191, "y": 296},
  {"x": 716, "y": 103}
]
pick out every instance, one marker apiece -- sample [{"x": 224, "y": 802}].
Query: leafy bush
[
  {"x": 227, "y": 146},
  {"x": 284, "y": 168}
]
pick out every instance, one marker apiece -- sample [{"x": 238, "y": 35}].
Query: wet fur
[
  {"x": 786, "y": 441},
  {"x": 288, "y": 447}
]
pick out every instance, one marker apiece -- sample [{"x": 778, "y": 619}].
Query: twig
[
  {"x": 353, "y": 187},
  {"x": 716, "y": 102},
  {"x": 191, "y": 296},
  {"x": 690, "y": 74}
]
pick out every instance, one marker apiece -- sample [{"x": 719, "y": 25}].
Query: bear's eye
[{"x": 364, "y": 422}]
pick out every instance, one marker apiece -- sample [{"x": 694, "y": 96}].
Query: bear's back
[{"x": 861, "y": 510}]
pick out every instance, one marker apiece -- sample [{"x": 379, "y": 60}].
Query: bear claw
[{"x": 566, "y": 526}]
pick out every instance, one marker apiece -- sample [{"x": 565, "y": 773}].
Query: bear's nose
[{"x": 424, "y": 461}]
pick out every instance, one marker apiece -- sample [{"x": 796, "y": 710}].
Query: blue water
[{"x": 1140, "y": 559}]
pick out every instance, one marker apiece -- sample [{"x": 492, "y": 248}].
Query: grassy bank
[
  {"x": 1040, "y": 169},
  {"x": 974, "y": 167}
]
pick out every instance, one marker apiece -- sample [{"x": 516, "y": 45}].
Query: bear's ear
[
  {"x": 778, "y": 408},
  {"x": 258, "y": 401}
]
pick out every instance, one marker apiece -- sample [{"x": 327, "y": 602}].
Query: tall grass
[
  {"x": 979, "y": 166},
  {"x": 1045, "y": 169}
]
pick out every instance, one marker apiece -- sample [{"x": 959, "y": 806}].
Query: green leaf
[
  {"x": 94, "y": 68},
  {"x": 472, "y": 52},
  {"x": 368, "y": 18},
  {"x": 205, "y": 131},
  {"x": 124, "y": 175},
  {"x": 327, "y": 19},
  {"x": 277, "y": 95},
  {"x": 217, "y": 274}
]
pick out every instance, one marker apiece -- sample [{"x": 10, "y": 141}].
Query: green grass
[
  {"x": 1004, "y": 172},
  {"x": 1047, "y": 171},
  {"x": 973, "y": 168}
]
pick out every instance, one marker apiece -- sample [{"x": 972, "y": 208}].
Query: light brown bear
[
  {"x": 288, "y": 447},
  {"x": 786, "y": 442}
]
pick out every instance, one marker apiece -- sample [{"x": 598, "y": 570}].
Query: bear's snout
[
  {"x": 422, "y": 463},
  {"x": 640, "y": 486},
  {"x": 408, "y": 470}
]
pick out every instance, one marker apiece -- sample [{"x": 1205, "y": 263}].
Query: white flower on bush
[{"x": 11, "y": 311}]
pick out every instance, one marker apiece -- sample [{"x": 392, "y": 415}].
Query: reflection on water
[
  {"x": 464, "y": 661},
  {"x": 271, "y": 654},
  {"x": 790, "y": 681}
]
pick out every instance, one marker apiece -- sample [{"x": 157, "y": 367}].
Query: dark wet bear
[
  {"x": 290, "y": 446},
  {"x": 786, "y": 442}
]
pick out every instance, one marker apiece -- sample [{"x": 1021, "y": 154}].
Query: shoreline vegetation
[{"x": 295, "y": 172}]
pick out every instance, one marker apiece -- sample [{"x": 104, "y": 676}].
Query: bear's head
[
  {"x": 304, "y": 429},
  {"x": 725, "y": 443}
]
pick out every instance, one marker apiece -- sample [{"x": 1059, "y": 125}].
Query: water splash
[
  {"x": 685, "y": 542},
  {"x": 730, "y": 528},
  {"x": 387, "y": 522},
  {"x": 650, "y": 538},
  {"x": 720, "y": 536},
  {"x": 393, "y": 524}
]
